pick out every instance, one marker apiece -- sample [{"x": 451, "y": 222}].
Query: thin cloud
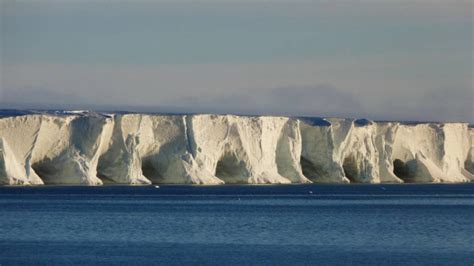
[{"x": 315, "y": 89}]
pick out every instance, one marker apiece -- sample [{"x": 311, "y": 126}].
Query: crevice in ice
[
  {"x": 350, "y": 169},
  {"x": 469, "y": 166},
  {"x": 104, "y": 178},
  {"x": 150, "y": 171},
  {"x": 402, "y": 170},
  {"x": 44, "y": 170},
  {"x": 230, "y": 169},
  {"x": 311, "y": 170},
  {"x": 3, "y": 170}
]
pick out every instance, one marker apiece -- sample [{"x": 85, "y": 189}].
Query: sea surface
[{"x": 407, "y": 224}]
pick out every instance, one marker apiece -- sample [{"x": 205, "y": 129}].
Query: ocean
[{"x": 357, "y": 224}]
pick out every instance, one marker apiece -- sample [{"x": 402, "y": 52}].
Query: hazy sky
[{"x": 392, "y": 59}]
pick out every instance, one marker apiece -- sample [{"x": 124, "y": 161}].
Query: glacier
[{"x": 87, "y": 148}]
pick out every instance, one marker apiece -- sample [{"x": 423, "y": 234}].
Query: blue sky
[{"x": 392, "y": 59}]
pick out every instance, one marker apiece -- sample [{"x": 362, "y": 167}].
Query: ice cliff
[{"x": 92, "y": 149}]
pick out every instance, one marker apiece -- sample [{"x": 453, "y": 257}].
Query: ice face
[{"x": 92, "y": 149}]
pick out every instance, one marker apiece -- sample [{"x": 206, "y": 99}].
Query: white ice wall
[
  {"x": 433, "y": 152},
  {"x": 91, "y": 149}
]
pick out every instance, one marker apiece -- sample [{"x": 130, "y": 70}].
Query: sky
[{"x": 376, "y": 59}]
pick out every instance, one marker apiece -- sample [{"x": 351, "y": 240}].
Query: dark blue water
[{"x": 269, "y": 225}]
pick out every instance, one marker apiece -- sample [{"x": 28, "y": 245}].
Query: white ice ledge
[{"x": 92, "y": 149}]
